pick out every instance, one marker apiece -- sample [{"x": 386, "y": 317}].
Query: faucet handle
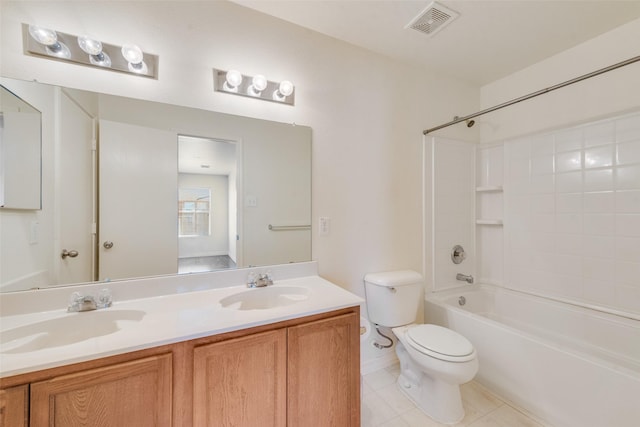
[
  {"x": 104, "y": 298},
  {"x": 252, "y": 278},
  {"x": 266, "y": 276},
  {"x": 74, "y": 301},
  {"x": 266, "y": 279}
]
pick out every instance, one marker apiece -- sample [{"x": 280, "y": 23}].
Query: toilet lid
[{"x": 441, "y": 343}]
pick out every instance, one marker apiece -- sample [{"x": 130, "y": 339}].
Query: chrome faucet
[
  {"x": 79, "y": 302},
  {"x": 464, "y": 277},
  {"x": 261, "y": 280}
]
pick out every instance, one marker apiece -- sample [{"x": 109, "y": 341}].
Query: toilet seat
[{"x": 440, "y": 343}]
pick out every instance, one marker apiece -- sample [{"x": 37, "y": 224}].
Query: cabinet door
[
  {"x": 130, "y": 394},
  {"x": 241, "y": 382},
  {"x": 324, "y": 373},
  {"x": 14, "y": 406}
]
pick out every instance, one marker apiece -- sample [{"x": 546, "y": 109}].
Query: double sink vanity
[{"x": 193, "y": 350}]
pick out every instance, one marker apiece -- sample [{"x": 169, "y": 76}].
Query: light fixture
[
  {"x": 94, "y": 49},
  {"x": 49, "y": 39},
  {"x": 257, "y": 86},
  {"x": 85, "y": 50}
]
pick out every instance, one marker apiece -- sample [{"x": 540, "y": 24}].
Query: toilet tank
[{"x": 393, "y": 297}]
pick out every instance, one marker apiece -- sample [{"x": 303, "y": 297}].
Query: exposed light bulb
[
  {"x": 284, "y": 89},
  {"x": 258, "y": 84},
  {"x": 89, "y": 45},
  {"x": 94, "y": 49},
  {"x": 43, "y": 36},
  {"x": 133, "y": 55},
  {"x": 49, "y": 39},
  {"x": 233, "y": 79}
]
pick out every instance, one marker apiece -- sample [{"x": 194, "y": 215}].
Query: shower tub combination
[{"x": 569, "y": 365}]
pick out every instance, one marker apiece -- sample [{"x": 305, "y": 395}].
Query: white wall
[
  {"x": 367, "y": 112},
  {"x": 278, "y": 176},
  {"x": 592, "y": 99}
]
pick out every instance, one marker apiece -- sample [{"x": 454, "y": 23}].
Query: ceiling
[
  {"x": 206, "y": 156},
  {"x": 487, "y": 41}
]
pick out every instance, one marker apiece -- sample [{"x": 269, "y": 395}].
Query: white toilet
[{"x": 434, "y": 361}]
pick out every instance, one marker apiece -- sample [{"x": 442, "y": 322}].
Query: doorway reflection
[{"x": 207, "y": 204}]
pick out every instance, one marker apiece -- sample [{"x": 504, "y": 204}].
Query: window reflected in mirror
[{"x": 194, "y": 210}]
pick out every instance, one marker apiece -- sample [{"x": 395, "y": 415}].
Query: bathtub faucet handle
[{"x": 464, "y": 277}]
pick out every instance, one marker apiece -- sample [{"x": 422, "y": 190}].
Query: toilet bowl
[{"x": 434, "y": 361}]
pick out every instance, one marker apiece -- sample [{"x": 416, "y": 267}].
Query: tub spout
[{"x": 468, "y": 279}]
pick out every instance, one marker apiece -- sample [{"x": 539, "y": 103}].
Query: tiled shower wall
[{"x": 571, "y": 214}]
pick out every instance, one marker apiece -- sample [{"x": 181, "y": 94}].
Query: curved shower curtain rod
[{"x": 534, "y": 94}]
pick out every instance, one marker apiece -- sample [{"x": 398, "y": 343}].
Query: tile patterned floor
[{"x": 383, "y": 404}]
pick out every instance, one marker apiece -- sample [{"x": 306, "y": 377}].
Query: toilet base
[
  {"x": 436, "y": 398},
  {"x": 446, "y": 408}
]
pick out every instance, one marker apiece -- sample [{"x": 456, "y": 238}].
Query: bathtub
[{"x": 568, "y": 365}]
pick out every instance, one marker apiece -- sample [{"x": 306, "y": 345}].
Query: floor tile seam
[
  {"x": 395, "y": 412},
  {"x": 487, "y": 414}
]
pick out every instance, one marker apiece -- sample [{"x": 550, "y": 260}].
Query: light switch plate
[{"x": 324, "y": 225}]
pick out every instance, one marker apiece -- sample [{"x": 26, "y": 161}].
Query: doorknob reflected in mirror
[
  {"x": 65, "y": 253},
  {"x": 107, "y": 244}
]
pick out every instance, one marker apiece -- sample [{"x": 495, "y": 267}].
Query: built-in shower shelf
[
  {"x": 489, "y": 189},
  {"x": 488, "y": 221}
]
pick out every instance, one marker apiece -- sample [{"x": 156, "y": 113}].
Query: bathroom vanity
[{"x": 195, "y": 362}]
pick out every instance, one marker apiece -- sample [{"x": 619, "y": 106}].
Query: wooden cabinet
[
  {"x": 323, "y": 373},
  {"x": 14, "y": 406},
  {"x": 298, "y": 372},
  {"x": 302, "y": 375},
  {"x": 241, "y": 382},
  {"x": 135, "y": 394}
]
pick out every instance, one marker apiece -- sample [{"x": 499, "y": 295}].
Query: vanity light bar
[
  {"x": 235, "y": 83},
  {"x": 82, "y": 50}
]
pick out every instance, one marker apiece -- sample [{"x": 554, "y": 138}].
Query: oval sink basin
[
  {"x": 68, "y": 329},
  {"x": 265, "y": 298}
]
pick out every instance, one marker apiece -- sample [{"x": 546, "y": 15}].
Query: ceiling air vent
[{"x": 433, "y": 19}]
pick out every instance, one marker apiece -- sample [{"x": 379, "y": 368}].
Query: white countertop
[{"x": 136, "y": 324}]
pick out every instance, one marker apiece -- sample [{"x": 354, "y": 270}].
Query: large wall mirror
[{"x": 133, "y": 188}]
